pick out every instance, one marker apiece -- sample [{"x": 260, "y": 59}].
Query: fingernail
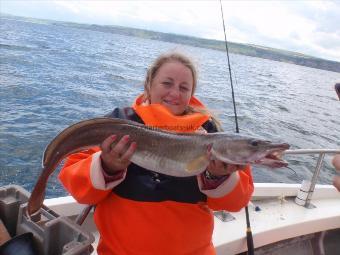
[
  {"x": 126, "y": 137},
  {"x": 134, "y": 145},
  {"x": 113, "y": 137}
]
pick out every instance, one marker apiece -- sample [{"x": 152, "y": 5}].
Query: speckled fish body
[{"x": 175, "y": 154}]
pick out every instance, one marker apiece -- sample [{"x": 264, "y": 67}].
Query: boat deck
[{"x": 278, "y": 218}]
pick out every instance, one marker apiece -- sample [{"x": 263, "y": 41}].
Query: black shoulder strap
[
  {"x": 210, "y": 126},
  {"x": 125, "y": 113}
]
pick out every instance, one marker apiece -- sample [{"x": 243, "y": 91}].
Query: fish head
[{"x": 243, "y": 150}]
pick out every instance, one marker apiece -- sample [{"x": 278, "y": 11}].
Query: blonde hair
[
  {"x": 163, "y": 59},
  {"x": 186, "y": 61}
]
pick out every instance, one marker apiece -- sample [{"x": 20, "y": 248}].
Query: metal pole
[{"x": 314, "y": 179}]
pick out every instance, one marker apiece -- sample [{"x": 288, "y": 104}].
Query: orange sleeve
[
  {"x": 238, "y": 197},
  {"x": 76, "y": 178}
]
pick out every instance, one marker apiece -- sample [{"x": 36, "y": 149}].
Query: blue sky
[{"x": 309, "y": 27}]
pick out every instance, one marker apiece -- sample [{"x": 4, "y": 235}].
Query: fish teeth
[{"x": 277, "y": 154}]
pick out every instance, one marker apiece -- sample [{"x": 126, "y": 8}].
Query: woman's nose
[{"x": 175, "y": 91}]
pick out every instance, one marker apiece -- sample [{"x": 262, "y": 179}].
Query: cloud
[
  {"x": 310, "y": 27},
  {"x": 323, "y": 38}
]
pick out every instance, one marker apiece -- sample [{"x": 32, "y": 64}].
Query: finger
[
  {"x": 213, "y": 164},
  {"x": 231, "y": 168},
  {"x": 336, "y": 182},
  {"x": 119, "y": 148},
  {"x": 336, "y": 162},
  {"x": 217, "y": 168},
  {"x": 105, "y": 146},
  {"x": 128, "y": 154},
  {"x": 219, "y": 165}
]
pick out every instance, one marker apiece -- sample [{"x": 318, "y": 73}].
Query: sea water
[{"x": 53, "y": 75}]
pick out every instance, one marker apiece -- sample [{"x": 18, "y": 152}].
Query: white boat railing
[{"x": 307, "y": 187}]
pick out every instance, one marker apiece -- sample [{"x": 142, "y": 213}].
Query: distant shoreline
[{"x": 236, "y": 48}]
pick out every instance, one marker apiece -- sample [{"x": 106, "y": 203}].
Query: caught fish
[{"x": 175, "y": 154}]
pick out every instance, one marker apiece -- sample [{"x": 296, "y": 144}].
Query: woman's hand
[
  {"x": 219, "y": 168},
  {"x": 116, "y": 158}
]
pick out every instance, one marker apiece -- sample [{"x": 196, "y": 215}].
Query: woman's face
[{"x": 172, "y": 87}]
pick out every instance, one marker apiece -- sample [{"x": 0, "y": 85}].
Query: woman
[{"x": 142, "y": 212}]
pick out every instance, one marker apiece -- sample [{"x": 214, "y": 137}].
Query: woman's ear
[{"x": 146, "y": 96}]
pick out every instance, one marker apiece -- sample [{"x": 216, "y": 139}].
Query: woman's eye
[
  {"x": 184, "y": 89},
  {"x": 166, "y": 83}
]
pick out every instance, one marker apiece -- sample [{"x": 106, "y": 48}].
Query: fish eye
[{"x": 254, "y": 143}]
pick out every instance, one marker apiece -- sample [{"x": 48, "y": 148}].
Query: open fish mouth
[{"x": 273, "y": 157}]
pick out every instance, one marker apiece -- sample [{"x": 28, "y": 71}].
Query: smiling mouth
[{"x": 170, "y": 103}]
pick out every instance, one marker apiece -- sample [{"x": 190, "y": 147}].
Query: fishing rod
[
  {"x": 230, "y": 76},
  {"x": 250, "y": 242}
]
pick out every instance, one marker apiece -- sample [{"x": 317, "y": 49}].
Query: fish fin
[{"x": 197, "y": 164}]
